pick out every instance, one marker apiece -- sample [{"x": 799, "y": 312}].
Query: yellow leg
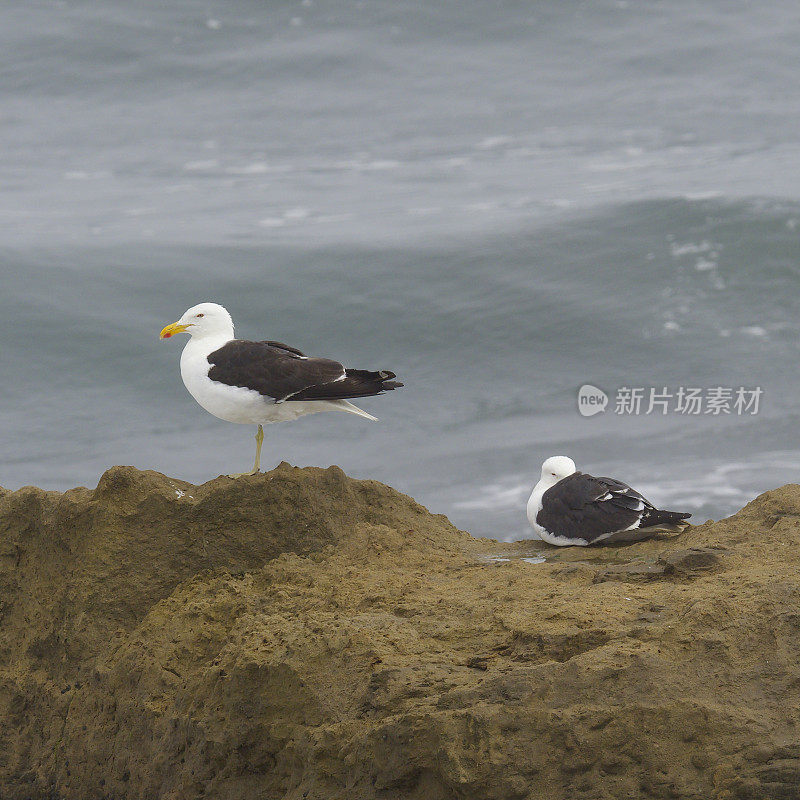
[
  {"x": 259, "y": 442},
  {"x": 257, "y": 465}
]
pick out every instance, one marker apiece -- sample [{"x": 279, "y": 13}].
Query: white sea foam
[
  {"x": 493, "y": 142},
  {"x": 755, "y": 331},
  {"x": 254, "y": 168},
  {"x": 690, "y": 248},
  {"x": 495, "y": 496},
  {"x": 291, "y": 216},
  {"x": 199, "y": 166},
  {"x": 704, "y": 264}
]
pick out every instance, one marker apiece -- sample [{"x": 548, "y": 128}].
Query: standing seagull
[
  {"x": 261, "y": 382},
  {"x": 568, "y": 507}
]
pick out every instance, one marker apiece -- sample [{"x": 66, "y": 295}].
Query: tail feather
[
  {"x": 655, "y": 518},
  {"x": 637, "y": 534},
  {"x": 345, "y": 405}
]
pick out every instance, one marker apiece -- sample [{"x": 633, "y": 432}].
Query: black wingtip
[
  {"x": 357, "y": 383},
  {"x": 387, "y": 384}
]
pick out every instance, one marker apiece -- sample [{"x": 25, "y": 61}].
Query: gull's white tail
[{"x": 346, "y": 405}]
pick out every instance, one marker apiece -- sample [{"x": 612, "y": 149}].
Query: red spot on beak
[{"x": 167, "y": 335}]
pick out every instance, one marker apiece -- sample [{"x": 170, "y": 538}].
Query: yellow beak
[{"x": 171, "y": 330}]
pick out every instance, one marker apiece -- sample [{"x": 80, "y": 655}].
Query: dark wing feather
[
  {"x": 281, "y": 372},
  {"x": 273, "y": 369},
  {"x": 622, "y": 495},
  {"x": 584, "y": 507},
  {"x": 626, "y": 497},
  {"x": 286, "y": 347},
  {"x": 581, "y": 506}
]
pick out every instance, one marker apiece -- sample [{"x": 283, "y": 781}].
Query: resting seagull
[
  {"x": 568, "y": 507},
  {"x": 257, "y": 383}
]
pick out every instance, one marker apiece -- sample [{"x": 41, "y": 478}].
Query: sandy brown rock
[{"x": 300, "y": 634}]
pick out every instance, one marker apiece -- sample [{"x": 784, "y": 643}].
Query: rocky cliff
[{"x": 299, "y": 634}]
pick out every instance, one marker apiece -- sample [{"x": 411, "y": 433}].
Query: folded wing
[
  {"x": 584, "y": 507},
  {"x": 280, "y": 372}
]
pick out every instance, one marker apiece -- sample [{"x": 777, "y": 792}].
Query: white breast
[{"x": 534, "y": 507}]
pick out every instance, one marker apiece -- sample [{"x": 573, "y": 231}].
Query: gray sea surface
[{"x": 500, "y": 202}]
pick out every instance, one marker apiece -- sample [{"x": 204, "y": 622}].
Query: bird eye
[{"x": 199, "y": 315}]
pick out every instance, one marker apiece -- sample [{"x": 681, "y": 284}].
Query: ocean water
[{"x": 499, "y": 202}]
